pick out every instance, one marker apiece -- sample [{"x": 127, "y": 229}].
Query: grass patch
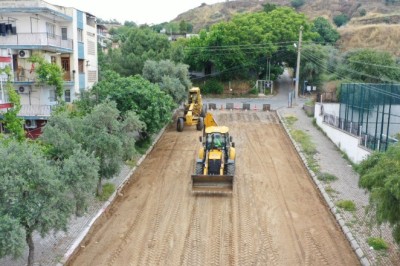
[
  {"x": 326, "y": 177},
  {"x": 290, "y": 120},
  {"x": 377, "y": 243},
  {"x": 305, "y": 141},
  {"x": 108, "y": 190},
  {"x": 347, "y": 205},
  {"x": 331, "y": 192}
]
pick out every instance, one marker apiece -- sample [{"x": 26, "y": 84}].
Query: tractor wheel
[
  {"x": 179, "y": 124},
  {"x": 230, "y": 169},
  {"x": 199, "y": 168},
  {"x": 204, "y": 110},
  {"x": 200, "y": 124}
]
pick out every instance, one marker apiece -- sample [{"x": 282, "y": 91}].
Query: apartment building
[{"x": 62, "y": 35}]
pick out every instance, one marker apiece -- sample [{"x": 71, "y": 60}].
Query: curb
[
  {"x": 84, "y": 232},
  {"x": 353, "y": 242}
]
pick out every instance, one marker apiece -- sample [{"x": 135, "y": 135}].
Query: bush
[
  {"x": 340, "y": 20},
  {"x": 377, "y": 243},
  {"x": 347, "y": 205},
  {"x": 363, "y": 12},
  {"x": 253, "y": 91},
  {"x": 297, "y": 3},
  {"x": 108, "y": 190},
  {"x": 212, "y": 86},
  {"x": 326, "y": 177}
]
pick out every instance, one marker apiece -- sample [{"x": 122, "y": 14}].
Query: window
[
  {"x": 67, "y": 96},
  {"x": 52, "y": 96},
  {"x": 51, "y": 30},
  {"x": 64, "y": 34},
  {"x": 80, "y": 35},
  {"x": 81, "y": 66}
]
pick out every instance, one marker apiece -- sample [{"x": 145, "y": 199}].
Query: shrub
[
  {"x": 297, "y": 3},
  {"x": 108, "y": 190},
  {"x": 326, "y": 177},
  {"x": 347, "y": 205},
  {"x": 340, "y": 20},
  {"x": 377, "y": 243},
  {"x": 212, "y": 86},
  {"x": 253, "y": 91},
  {"x": 363, "y": 12}
]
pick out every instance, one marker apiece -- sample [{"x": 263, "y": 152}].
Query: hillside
[{"x": 379, "y": 28}]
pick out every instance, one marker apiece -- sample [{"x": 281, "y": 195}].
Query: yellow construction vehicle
[
  {"x": 194, "y": 111},
  {"x": 215, "y": 164}
]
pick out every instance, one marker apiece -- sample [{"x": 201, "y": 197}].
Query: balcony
[
  {"x": 38, "y": 41},
  {"x": 27, "y": 75}
]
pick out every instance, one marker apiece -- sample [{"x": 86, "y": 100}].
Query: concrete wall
[{"x": 347, "y": 143}]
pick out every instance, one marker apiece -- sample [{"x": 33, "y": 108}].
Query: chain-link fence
[{"x": 371, "y": 111}]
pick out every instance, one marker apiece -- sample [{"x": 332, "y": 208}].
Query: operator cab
[{"x": 215, "y": 141}]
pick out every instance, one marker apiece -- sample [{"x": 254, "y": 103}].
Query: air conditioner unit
[
  {"x": 30, "y": 123},
  {"x": 23, "y": 89},
  {"x": 24, "y": 53}
]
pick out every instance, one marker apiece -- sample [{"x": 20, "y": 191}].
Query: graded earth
[{"x": 275, "y": 215}]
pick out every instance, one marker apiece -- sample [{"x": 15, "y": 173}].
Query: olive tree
[
  {"x": 32, "y": 198},
  {"x": 171, "y": 78}
]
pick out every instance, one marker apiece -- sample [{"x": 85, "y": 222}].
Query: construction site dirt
[{"x": 275, "y": 215}]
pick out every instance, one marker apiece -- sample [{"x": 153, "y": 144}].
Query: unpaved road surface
[{"x": 275, "y": 215}]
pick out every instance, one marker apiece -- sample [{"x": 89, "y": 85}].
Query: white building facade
[{"x": 62, "y": 35}]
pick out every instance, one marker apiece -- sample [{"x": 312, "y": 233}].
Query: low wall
[{"x": 346, "y": 142}]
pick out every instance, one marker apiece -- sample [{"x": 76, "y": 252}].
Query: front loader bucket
[{"x": 212, "y": 183}]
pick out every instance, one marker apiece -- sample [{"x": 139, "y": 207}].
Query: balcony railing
[
  {"x": 37, "y": 40},
  {"x": 29, "y": 75}
]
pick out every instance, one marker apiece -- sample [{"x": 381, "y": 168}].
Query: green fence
[{"x": 371, "y": 111}]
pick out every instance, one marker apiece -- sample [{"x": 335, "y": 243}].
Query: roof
[
  {"x": 194, "y": 89},
  {"x": 218, "y": 129}
]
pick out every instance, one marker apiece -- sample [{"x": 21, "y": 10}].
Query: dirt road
[{"x": 274, "y": 217}]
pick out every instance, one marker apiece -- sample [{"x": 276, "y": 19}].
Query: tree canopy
[
  {"x": 380, "y": 175},
  {"x": 32, "y": 198},
  {"x": 152, "y": 105},
  {"x": 137, "y": 46},
  {"x": 248, "y": 40},
  {"x": 370, "y": 66},
  {"x": 327, "y": 34},
  {"x": 171, "y": 78}
]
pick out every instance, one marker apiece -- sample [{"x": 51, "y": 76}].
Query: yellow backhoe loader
[
  {"x": 194, "y": 111},
  {"x": 215, "y": 164}
]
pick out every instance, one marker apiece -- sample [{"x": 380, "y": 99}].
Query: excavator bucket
[{"x": 212, "y": 184}]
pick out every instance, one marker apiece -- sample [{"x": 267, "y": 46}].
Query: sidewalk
[{"x": 356, "y": 225}]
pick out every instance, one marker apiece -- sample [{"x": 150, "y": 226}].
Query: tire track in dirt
[
  {"x": 128, "y": 234},
  {"x": 159, "y": 222},
  {"x": 171, "y": 217},
  {"x": 277, "y": 190}
]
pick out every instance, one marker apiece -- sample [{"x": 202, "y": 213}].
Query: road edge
[
  {"x": 87, "y": 228},
  {"x": 345, "y": 229}
]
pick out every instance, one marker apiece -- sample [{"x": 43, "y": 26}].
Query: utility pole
[{"x": 296, "y": 89}]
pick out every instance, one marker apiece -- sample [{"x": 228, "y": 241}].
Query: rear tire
[
  {"x": 230, "y": 169},
  {"x": 200, "y": 124},
  {"x": 179, "y": 124},
  {"x": 199, "y": 168}
]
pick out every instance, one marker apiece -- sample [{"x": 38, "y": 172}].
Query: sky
[{"x": 140, "y": 12}]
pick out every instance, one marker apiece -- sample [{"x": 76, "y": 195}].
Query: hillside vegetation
[{"x": 377, "y": 28}]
